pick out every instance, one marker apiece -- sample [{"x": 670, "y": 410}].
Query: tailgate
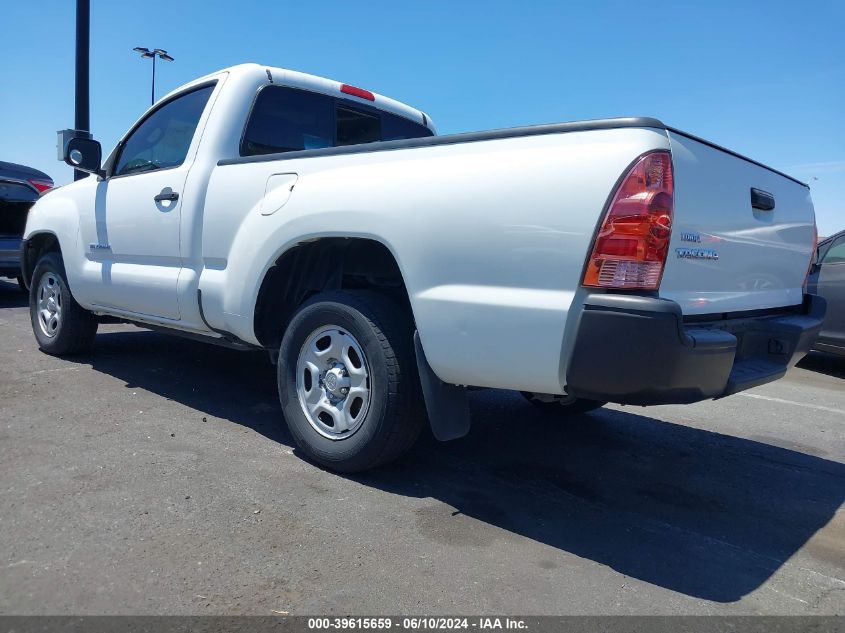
[{"x": 725, "y": 255}]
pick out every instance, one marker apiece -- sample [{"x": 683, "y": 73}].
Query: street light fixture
[{"x": 156, "y": 52}]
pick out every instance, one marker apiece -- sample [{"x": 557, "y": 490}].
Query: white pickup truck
[{"x": 384, "y": 267}]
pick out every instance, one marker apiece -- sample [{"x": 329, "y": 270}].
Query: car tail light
[
  {"x": 41, "y": 185},
  {"x": 357, "y": 92},
  {"x": 633, "y": 241}
]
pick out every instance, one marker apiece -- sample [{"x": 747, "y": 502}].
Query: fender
[
  {"x": 63, "y": 211},
  {"x": 57, "y": 214}
]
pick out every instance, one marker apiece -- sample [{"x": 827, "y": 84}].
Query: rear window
[
  {"x": 394, "y": 128},
  {"x": 354, "y": 127},
  {"x": 289, "y": 120}
]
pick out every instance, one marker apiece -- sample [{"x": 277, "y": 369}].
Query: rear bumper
[
  {"x": 638, "y": 350},
  {"x": 10, "y": 256}
]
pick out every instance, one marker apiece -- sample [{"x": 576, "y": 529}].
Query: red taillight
[
  {"x": 41, "y": 185},
  {"x": 357, "y": 92},
  {"x": 632, "y": 243}
]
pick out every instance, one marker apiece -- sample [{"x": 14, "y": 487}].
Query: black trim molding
[
  {"x": 452, "y": 139},
  {"x": 492, "y": 135}
]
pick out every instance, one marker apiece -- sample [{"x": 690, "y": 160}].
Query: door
[
  {"x": 829, "y": 282},
  {"x": 134, "y": 242}
]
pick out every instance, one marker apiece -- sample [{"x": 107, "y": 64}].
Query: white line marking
[
  {"x": 781, "y": 593},
  {"x": 20, "y": 562},
  {"x": 817, "y": 407},
  {"x": 47, "y": 371}
]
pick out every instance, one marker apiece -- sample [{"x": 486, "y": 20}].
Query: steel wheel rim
[
  {"x": 333, "y": 382},
  {"x": 49, "y": 299}
]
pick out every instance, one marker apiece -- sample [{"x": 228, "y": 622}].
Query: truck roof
[{"x": 326, "y": 86}]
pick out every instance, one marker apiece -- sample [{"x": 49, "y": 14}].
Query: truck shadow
[
  {"x": 11, "y": 295},
  {"x": 823, "y": 363},
  {"x": 697, "y": 512}
]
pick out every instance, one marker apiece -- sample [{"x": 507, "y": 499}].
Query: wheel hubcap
[
  {"x": 333, "y": 382},
  {"x": 49, "y": 296}
]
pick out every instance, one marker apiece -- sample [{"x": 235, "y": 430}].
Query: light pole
[
  {"x": 156, "y": 52},
  {"x": 83, "y": 39}
]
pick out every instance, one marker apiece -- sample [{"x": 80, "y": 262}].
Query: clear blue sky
[{"x": 764, "y": 78}]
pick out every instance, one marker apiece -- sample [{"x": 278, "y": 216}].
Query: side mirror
[
  {"x": 81, "y": 152},
  {"x": 84, "y": 154}
]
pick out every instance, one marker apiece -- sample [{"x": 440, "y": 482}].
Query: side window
[
  {"x": 287, "y": 120},
  {"x": 835, "y": 253},
  {"x": 163, "y": 138}
]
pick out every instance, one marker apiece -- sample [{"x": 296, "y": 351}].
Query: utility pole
[
  {"x": 156, "y": 52},
  {"x": 83, "y": 40}
]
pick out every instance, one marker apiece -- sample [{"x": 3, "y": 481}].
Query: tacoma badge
[{"x": 697, "y": 253}]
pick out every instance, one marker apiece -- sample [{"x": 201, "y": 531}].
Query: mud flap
[{"x": 447, "y": 405}]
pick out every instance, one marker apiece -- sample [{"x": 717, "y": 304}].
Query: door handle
[
  {"x": 762, "y": 200},
  {"x": 166, "y": 195}
]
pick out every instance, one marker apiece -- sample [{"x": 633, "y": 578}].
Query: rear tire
[
  {"x": 61, "y": 326},
  {"x": 347, "y": 379},
  {"x": 561, "y": 405}
]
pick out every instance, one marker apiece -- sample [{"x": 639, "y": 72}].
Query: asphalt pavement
[{"x": 156, "y": 476}]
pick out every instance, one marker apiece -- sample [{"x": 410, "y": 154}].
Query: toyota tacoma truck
[{"x": 388, "y": 270}]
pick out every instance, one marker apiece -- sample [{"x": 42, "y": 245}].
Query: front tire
[
  {"x": 61, "y": 326},
  {"x": 348, "y": 380}
]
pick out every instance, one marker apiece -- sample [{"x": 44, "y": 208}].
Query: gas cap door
[{"x": 277, "y": 192}]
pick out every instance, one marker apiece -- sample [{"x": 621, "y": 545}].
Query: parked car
[
  {"x": 827, "y": 279},
  {"x": 384, "y": 267},
  {"x": 20, "y": 187}
]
